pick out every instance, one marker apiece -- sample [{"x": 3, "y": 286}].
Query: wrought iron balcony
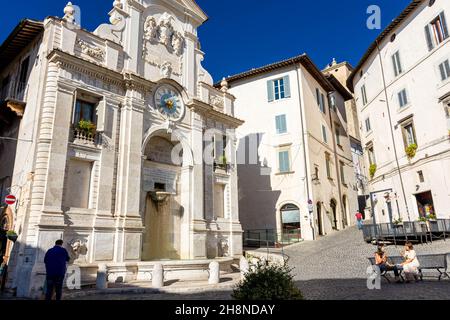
[{"x": 13, "y": 96}]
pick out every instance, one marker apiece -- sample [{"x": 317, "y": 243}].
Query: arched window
[{"x": 290, "y": 217}]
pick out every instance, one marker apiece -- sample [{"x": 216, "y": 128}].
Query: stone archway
[
  {"x": 333, "y": 205},
  {"x": 163, "y": 212},
  {"x": 345, "y": 211}
]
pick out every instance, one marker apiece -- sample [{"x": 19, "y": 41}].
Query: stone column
[
  {"x": 129, "y": 174},
  {"x": 198, "y": 223}
]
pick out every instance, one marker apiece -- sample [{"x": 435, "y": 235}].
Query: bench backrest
[{"x": 433, "y": 260}]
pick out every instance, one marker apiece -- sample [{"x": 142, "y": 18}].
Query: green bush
[
  {"x": 411, "y": 150},
  {"x": 87, "y": 127},
  {"x": 372, "y": 170},
  {"x": 267, "y": 283}
]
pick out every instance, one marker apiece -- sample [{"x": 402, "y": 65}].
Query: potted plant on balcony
[
  {"x": 423, "y": 220},
  {"x": 432, "y": 217},
  {"x": 87, "y": 128},
  {"x": 398, "y": 223},
  {"x": 12, "y": 235},
  {"x": 411, "y": 150},
  {"x": 372, "y": 170}
]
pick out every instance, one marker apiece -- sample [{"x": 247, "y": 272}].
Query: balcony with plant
[
  {"x": 221, "y": 164},
  {"x": 372, "y": 170},
  {"x": 85, "y": 132},
  {"x": 411, "y": 150}
]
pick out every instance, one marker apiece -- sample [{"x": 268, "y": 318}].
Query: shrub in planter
[
  {"x": 423, "y": 219},
  {"x": 87, "y": 127},
  {"x": 411, "y": 150},
  {"x": 11, "y": 235},
  {"x": 372, "y": 170},
  {"x": 272, "y": 282}
]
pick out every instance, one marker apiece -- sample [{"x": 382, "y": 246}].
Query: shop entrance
[{"x": 425, "y": 204}]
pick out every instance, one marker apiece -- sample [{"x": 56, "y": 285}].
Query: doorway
[
  {"x": 319, "y": 219},
  {"x": 290, "y": 219},
  {"x": 333, "y": 206},
  {"x": 345, "y": 211},
  {"x": 425, "y": 204}
]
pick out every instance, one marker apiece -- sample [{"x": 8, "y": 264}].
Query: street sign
[
  {"x": 10, "y": 199},
  {"x": 310, "y": 206}
]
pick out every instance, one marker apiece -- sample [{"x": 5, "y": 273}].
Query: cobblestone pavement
[{"x": 334, "y": 267}]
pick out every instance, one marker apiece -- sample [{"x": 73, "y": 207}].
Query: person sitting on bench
[
  {"x": 381, "y": 261},
  {"x": 411, "y": 264}
]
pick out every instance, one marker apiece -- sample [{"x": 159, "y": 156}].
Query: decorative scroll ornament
[
  {"x": 163, "y": 32},
  {"x": 93, "y": 52},
  {"x": 217, "y": 101}
]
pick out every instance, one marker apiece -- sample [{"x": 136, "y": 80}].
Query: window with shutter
[
  {"x": 283, "y": 158},
  {"x": 270, "y": 91},
  {"x": 324, "y": 134},
  {"x": 281, "y": 124},
  {"x": 402, "y": 98},
  {"x": 437, "y": 31},
  {"x": 444, "y": 69},
  {"x": 397, "y": 63},
  {"x": 364, "y": 94}
]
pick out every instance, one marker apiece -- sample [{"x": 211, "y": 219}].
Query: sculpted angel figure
[
  {"x": 177, "y": 43},
  {"x": 166, "y": 31},
  {"x": 150, "y": 29}
]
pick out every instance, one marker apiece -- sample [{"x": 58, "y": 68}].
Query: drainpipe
[
  {"x": 392, "y": 130},
  {"x": 305, "y": 157},
  {"x": 336, "y": 158}
]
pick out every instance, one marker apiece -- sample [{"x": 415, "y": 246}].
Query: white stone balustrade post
[
  {"x": 158, "y": 276},
  {"x": 214, "y": 273},
  {"x": 102, "y": 277},
  {"x": 243, "y": 266}
]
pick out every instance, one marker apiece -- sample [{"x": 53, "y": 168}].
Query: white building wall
[{"x": 422, "y": 80}]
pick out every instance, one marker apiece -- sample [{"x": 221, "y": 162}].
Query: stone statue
[
  {"x": 69, "y": 13},
  {"x": 223, "y": 245},
  {"x": 78, "y": 248},
  {"x": 150, "y": 29},
  {"x": 177, "y": 43},
  {"x": 166, "y": 69},
  {"x": 165, "y": 32}
]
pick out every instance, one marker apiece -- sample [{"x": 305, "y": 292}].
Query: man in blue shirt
[{"x": 56, "y": 265}]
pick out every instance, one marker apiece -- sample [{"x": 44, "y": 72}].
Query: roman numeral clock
[{"x": 169, "y": 103}]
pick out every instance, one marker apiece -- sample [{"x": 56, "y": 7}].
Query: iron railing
[
  {"x": 414, "y": 230},
  {"x": 271, "y": 238}
]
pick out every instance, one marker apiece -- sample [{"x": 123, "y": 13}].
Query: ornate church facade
[{"x": 124, "y": 150}]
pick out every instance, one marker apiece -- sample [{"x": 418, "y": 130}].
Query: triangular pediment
[{"x": 192, "y": 6}]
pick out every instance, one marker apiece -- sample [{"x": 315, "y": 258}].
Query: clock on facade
[{"x": 169, "y": 103}]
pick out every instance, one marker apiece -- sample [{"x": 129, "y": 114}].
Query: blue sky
[{"x": 245, "y": 34}]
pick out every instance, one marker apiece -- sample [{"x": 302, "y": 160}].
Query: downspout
[{"x": 305, "y": 157}]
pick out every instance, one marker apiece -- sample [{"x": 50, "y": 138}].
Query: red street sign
[{"x": 10, "y": 199}]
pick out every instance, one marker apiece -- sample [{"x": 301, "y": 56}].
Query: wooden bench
[{"x": 436, "y": 262}]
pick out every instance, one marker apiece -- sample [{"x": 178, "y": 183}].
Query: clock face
[{"x": 168, "y": 102}]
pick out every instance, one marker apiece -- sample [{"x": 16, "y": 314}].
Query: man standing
[
  {"x": 56, "y": 265},
  {"x": 359, "y": 219}
]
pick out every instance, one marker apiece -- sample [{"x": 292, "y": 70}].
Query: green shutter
[
  {"x": 444, "y": 24},
  {"x": 287, "y": 87},
  {"x": 442, "y": 69},
  {"x": 428, "y": 36},
  {"x": 270, "y": 90}
]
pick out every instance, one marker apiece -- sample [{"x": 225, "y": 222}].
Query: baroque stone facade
[{"x": 122, "y": 119}]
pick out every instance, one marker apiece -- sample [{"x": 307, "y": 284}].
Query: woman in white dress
[{"x": 411, "y": 264}]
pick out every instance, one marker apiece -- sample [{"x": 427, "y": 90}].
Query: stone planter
[{"x": 12, "y": 238}]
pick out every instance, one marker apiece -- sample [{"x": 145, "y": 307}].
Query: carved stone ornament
[
  {"x": 166, "y": 69},
  {"x": 92, "y": 51},
  {"x": 69, "y": 13},
  {"x": 163, "y": 32},
  {"x": 78, "y": 248},
  {"x": 223, "y": 247},
  {"x": 217, "y": 101}
]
